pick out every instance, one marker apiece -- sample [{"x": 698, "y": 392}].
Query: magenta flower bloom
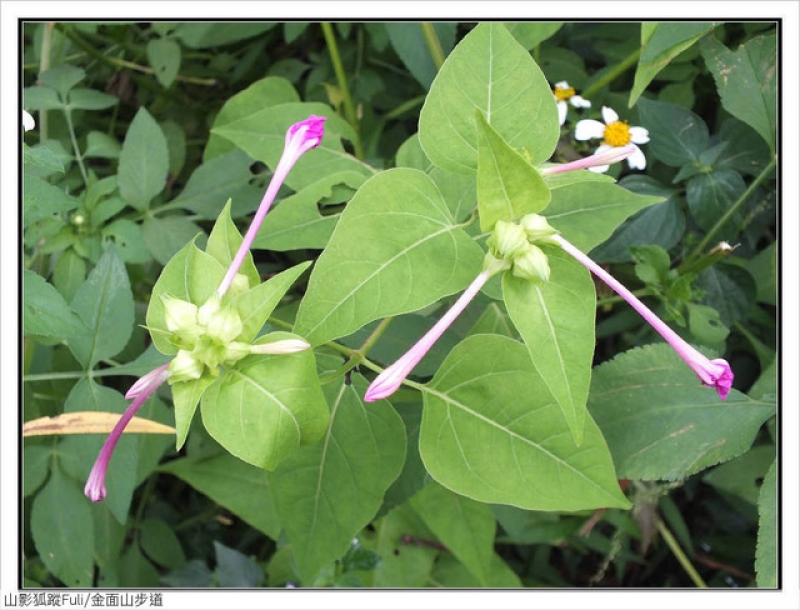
[
  {"x": 300, "y": 138},
  {"x": 95, "y": 488},
  {"x": 714, "y": 373}
]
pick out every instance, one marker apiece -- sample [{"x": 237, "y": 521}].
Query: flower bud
[
  {"x": 537, "y": 228},
  {"x": 532, "y": 265},
  {"x": 239, "y": 285},
  {"x": 184, "y": 367},
  {"x": 225, "y": 325},
  {"x": 208, "y": 310},
  {"x": 235, "y": 351},
  {"x": 507, "y": 240},
  {"x": 285, "y": 346},
  {"x": 178, "y": 314}
]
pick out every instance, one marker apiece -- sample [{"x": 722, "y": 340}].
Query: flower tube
[{"x": 602, "y": 159}]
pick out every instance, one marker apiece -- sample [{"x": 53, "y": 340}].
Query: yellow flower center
[
  {"x": 617, "y": 133},
  {"x": 562, "y": 95}
]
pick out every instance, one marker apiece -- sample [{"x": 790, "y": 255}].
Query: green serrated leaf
[
  {"x": 143, "y": 162},
  {"x": 41, "y": 158},
  {"x": 265, "y": 408},
  {"x": 488, "y": 71},
  {"x": 45, "y": 312},
  {"x": 395, "y": 249},
  {"x": 766, "y": 549},
  {"x": 730, "y": 289},
  {"x": 661, "y": 422},
  {"x": 241, "y": 488},
  {"x": 556, "y": 321},
  {"x": 491, "y": 432},
  {"x": 41, "y": 199},
  {"x": 508, "y": 186},
  {"x": 105, "y": 304},
  {"x": 328, "y": 492}
]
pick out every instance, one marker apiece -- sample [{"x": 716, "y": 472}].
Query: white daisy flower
[
  {"x": 563, "y": 94},
  {"x": 27, "y": 121},
  {"x": 614, "y": 133}
]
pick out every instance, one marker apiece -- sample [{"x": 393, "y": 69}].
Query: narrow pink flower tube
[
  {"x": 300, "y": 138},
  {"x": 392, "y": 378},
  {"x": 95, "y": 488},
  {"x": 600, "y": 159},
  {"x": 714, "y": 373}
]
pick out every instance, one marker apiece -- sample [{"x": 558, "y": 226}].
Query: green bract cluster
[{"x": 515, "y": 243}]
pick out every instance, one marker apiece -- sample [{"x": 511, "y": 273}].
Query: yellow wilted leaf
[{"x": 90, "y": 422}]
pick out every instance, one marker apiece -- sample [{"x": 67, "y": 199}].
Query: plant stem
[
  {"x": 612, "y": 74},
  {"x": 359, "y": 355},
  {"x": 434, "y": 46},
  {"x": 44, "y": 65},
  {"x": 642, "y": 292},
  {"x": 697, "y": 252},
  {"x": 74, "y": 140},
  {"x": 341, "y": 77},
  {"x": 208, "y": 82},
  {"x": 680, "y": 555}
]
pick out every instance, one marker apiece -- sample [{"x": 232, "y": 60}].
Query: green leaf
[
  {"x": 200, "y": 35},
  {"x": 41, "y": 98},
  {"x": 126, "y": 235},
  {"x": 730, "y": 289},
  {"x": 62, "y": 530},
  {"x": 709, "y": 196},
  {"x": 459, "y": 192},
  {"x": 464, "y": 526},
  {"x": 191, "y": 275},
  {"x": 508, "y": 186},
  {"x": 165, "y": 58},
  {"x": 62, "y": 78},
  {"x": 766, "y": 549},
  {"x": 531, "y": 34},
  {"x": 109, "y": 537},
  {"x": 45, "y": 312},
  {"x": 328, "y": 492},
  {"x": 89, "y": 99},
  {"x": 241, "y": 488},
  {"x": 491, "y": 432},
  {"x": 257, "y": 304},
  {"x": 136, "y": 571},
  {"x": 36, "y": 464},
  {"x": 99, "y": 144},
  {"x": 105, "y": 304},
  {"x": 263, "y": 134},
  {"x": 742, "y": 476},
  {"x": 488, "y": 71},
  {"x": 266, "y": 407},
  {"x": 41, "y": 158},
  {"x": 267, "y": 92},
  {"x": 746, "y": 81},
  {"x": 409, "y": 44},
  {"x": 586, "y": 213},
  {"x": 403, "y": 564},
  {"x": 223, "y": 244},
  {"x": 185, "y": 397},
  {"x": 297, "y": 223},
  {"x": 764, "y": 269},
  {"x": 41, "y": 199},
  {"x": 395, "y": 250},
  {"x": 661, "y": 423},
  {"x": 410, "y": 154},
  {"x": 746, "y": 151},
  {"x": 235, "y": 569},
  {"x": 448, "y": 572},
  {"x": 166, "y": 236},
  {"x": 143, "y": 162},
  {"x": 413, "y": 477},
  {"x": 662, "y": 42},
  {"x": 677, "y": 135},
  {"x": 160, "y": 543},
  {"x": 706, "y": 326},
  {"x": 556, "y": 321}
]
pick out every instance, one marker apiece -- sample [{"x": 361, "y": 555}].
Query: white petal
[
  {"x": 562, "y": 85},
  {"x": 578, "y": 102},
  {"x": 589, "y": 128},
  {"x": 639, "y": 135},
  {"x": 609, "y": 116},
  {"x": 637, "y": 160},
  {"x": 562, "y": 112},
  {"x": 27, "y": 121},
  {"x": 598, "y": 169}
]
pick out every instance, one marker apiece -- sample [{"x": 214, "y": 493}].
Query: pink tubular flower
[
  {"x": 95, "y": 488},
  {"x": 714, "y": 373},
  {"x": 300, "y": 138},
  {"x": 603, "y": 159}
]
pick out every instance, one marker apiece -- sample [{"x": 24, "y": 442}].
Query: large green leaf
[
  {"x": 508, "y": 186},
  {"x": 267, "y": 406},
  {"x": 556, "y": 321},
  {"x": 710, "y": 196},
  {"x": 62, "y": 530},
  {"x": 488, "y": 71},
  {"x": 464, "y": 526},
  {"x": 587, "y": 212},
  {"x": 677, "y": 135},
  {"x": 143, "y": 162},
  {"x": 730, "y": 289},
  {"x": 662, "y": 42},
  {"x": 449, "y": 573},
  {"x": 492, "y": 432},
  {"x": 395, "y": 250},
  {"x": 45, "y": 310},
  {"x": 661, "y": 422},
  {"x": 241, "y": 488},
  {"x": 328, "y": 492},
  {"x": 747, "y": 81},
  {"x": 105, "y": 304},
  {"x": 766, "y": 549}
]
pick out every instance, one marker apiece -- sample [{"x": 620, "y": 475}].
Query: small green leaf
[
  {"x": 764, "y": 269},
  {"x": 730, "y": 289},
  {"x": 99, "y": 144},
  {"x": 62, "y": 78},
  {"x": 508, "y": 186},
  {"x": 224, "y": 242},
  {"x": 89, "y": 99},
  {"x": 41, "y": 199},
  {"x": 62, "y": 530},
  {"x": 491, "y": 432},
  {"x": 556, "y": 321},
  {"x": 143, "y": 162},
  {"x": 742, "y": 476},
  {"x": 36, "y": 464},
  {"x": 136, "y": 571},
  {"x": 126, "y": 235},
  {"x": 165, "y": 58},
  {"x": 409, "y": 44},
  {"x": 661, "y": 422},
  {"x": 266, "y": 407},
  {"x": 709, "y": 196},
  {"x": 241, "y": 488},
  {"x": 105, "y": 304},
  {"x": 41, "y": 98},
  {"x": 403, "y": 564},
  {"x": 160, "y": 543},
  {"x": 677, "y": 135},
  {"x": 395, "y": 250},
  {"x": 531, "y": 34},
  {"x": 766, "y": 549},
  {"x": 41, "y": 158},
  {"x": 45, "y": 310},
  {"x": 199, "y": 35},
  {"x": 234, "y": 569},
  {"x": 185, "y": 397},
  {"x": 488, "y": 71},
  {"x": 165, "y": 236}
]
